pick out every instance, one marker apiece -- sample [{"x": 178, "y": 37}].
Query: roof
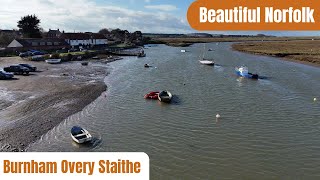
[
  {"x": 98, "y": 36},
  {"x": 79, "y": 36},
  {"x": 51, "y": 31},
  {"x": 28, "y": 41},
  {"x": 82, "y": 36}
]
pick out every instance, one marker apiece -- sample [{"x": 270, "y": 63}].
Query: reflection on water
[{"x": 268, "y": 129}]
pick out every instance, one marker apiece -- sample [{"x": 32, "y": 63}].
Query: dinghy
[
  {"x": 207, "y": 62},
  {"x": 80, "y": 135},
  {"x": 165, "y": 96}
]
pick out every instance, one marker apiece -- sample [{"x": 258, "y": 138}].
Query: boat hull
[
  {"x": 165, "y": 96},
  {"x": 80, "y": 135},
  {"x": 206, "y": 62}
]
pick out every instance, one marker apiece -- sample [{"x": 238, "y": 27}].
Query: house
[
  {"x": 53, "y": 33},
  {"x": 84, "y": 39},
  {"x": 39, "y": 44}
]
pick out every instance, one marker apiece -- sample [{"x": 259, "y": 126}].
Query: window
[
  {"x": 49, "y": 43},
  {"x": 56, "y": 43},
  {"x": 34, "y": 43},
  {"x": 42, "y": 43}
]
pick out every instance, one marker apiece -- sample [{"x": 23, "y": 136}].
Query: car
[
  {"x": 17, "y": 69},
  {"x": 30, "y": 67},
  {"x": 5, "y": 75}
]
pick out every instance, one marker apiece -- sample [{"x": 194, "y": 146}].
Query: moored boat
[
  {"x": 80, "y": 135},
  {"x": 152, "y": 95},
  {"x": 165, "y": 96},
  {"x": 183, "y": 50},
  {"x": 207, "y": 62},
  {"x": 244, "y": 72},
  {"x": 204, "y": 60},
  {"x": 53, "y": 61}
]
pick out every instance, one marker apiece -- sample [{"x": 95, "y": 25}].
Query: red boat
[{"x": 152, "y": 95}]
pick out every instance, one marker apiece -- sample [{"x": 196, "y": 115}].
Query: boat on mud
[
  {"x": 244, "y": 72},
  {"x": 165, "y": 96},
  {"x": 80, "y": 135},
  {"x": 53, "y": 61},
  {"x": 152, "y": 95}
]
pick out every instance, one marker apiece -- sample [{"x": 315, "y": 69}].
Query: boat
[
  {"x": 96, "y": 57},
  {"x": 165, "y": 96},
  {"x": 205, "y": 61},
  {"x": 210, "y": 49},
  {"x": 84, "y": 63},
  {"x": 152, "y": 95},
  {"x": 80, "y": 135},
  {"x": 147, "y": 65},
  {"x": 141, "y": 53},
  {"x": 244, "y": 72},
  {"x": 183, "y": 50},
  {"x": 53, "y": 61}
]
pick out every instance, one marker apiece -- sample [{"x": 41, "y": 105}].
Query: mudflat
[{"x": 32, "y": 105}]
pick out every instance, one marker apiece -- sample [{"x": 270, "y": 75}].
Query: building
[
  {"x": 39, "y": 44},
  {"x": 53, "y": 33},
  {"x": 84, "y": 39}
]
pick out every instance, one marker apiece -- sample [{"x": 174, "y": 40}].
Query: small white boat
[
  {"x": 204, "y": 60},
  {"x": 244, "y": 72},
  {"x": 183, "y": 50},
  {"x": 80, "y": 135},
  {"x": 165, "y": 96},
  {"x": 207, "y": 62},
  {"x": 53, "y": 61}
]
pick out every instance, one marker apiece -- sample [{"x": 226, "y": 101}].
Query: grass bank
[
  {"x": 305, "y": 51},
  {"x": 183, "y": 42}
]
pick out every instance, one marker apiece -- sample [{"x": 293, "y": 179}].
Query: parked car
[
  {"x": 25, "y": 54},
  {"x": 5, "y": 75},
  {"x": 35, "y": 53},
  {"x": 17, "y": 69},
  {"x": 30, "y": 67}
]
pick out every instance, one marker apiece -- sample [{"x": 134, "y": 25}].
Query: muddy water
[{"x": 269, "y": 129}]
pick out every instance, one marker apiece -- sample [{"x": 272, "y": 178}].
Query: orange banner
[{"x": 254, "y": 15}]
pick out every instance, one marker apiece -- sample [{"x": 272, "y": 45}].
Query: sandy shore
[{"x": 32, "y": 105}]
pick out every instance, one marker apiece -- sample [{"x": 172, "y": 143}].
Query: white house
[{"x": 84, "y": 39}]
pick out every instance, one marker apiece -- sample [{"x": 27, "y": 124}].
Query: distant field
[
  {"x": 301, "y": 50},
  {"x": 189, "y": 41}
]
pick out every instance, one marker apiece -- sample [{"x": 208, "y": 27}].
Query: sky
[{"x": 148, "y": 16}]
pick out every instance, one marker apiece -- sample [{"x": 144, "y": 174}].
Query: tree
[
  {"x": 29, "y": 26},
  {"x": 104, "y": 31}
]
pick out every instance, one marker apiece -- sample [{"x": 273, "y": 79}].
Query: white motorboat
[{"x": 80, "y": 135}]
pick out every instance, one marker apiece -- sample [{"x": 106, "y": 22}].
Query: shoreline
[{"x": 32, "y": 105}]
